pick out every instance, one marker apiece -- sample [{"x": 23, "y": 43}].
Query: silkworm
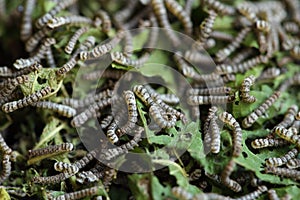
[
  {"x": 12, "y": 84},
  {"x": 161, "y": 15},
  {"x": 79, "y": 194},
  {"x": 273, "y": 195},
  {"x": 65, "y": 167},
  {"x": 97, "y": 74},
  {"x": 285, "y": 172},
  {"x": 34, "y": 40},
  {"x": 222, "y": 54},
  {"x": 132, "y": 111},
  {"x": 143, "y": 94},
  {"x": 242, "y": 67},
  {"x": 245, "y": 89},
  {"x": 35, "y": 97},
  {"x": 61, "y": 5},
  {"x": 112, "y": 153},
  {"x": 289, "y": 117},
  {"x": 52, "y": 149},
  {"x": 91, "y": 111},
  {"x": 85, "y": 160},
  {"x": 86, "y": 45},
  {"x": 242, "y": 55},
  {"x": 204, "y": 100},
  {"x": 268, "y": 142},
  {"x": 86, "y": 177},
  {"x": 206, "y": 27},
  {"x": 219, "y": 7},
  {"x": 252, "y": 117},
  {"x": 169, "y": 98},
  {"x": 176, "y": 9},
  {"x": 72, "y": 20},
  {"x": 293, "y": 163},
  {"x": 287, "y": 135},
  {"x": 5, "y": 71},
  {"x": 228, "y": 119},
  {"x": 161, "y": 118},
  {"x": 221, "y": 35},
  {"x": 4, "y": 147},
  {"x": 106, "y": 22},
  {"x": 181, "y": 193},
  {"x": 63, "y": 110},
  {"x": 120, "y": 58},
  {"x": 291, "y": 27},
  {"x": 254, "y": 195},
  {"x": 275, "y": 162},
  {"x": 206, "y": 126},
  {"x": 26, "y": 27},
  {"x": 195, "y": 175},
  {"x": 88, "y": 100},
  {"x": 40, "y": 54},
  {"x": 262, "y": 25},
  {"x": 215, "y": 136},
  {"x": 51, "y": 179},
  {"x": 72, "y": 42},
  {"x": 249, "y": 11},
  {"x": 106, "y": 121},
  {"x": 102, "y": 49},
  {"x": 209, "y": 91},
  {"x": 6, "y": 168},
  {"x": 111, "y": 132},
  {"x": 226, "y": 180},
  {"x": 269, "y": 73}
]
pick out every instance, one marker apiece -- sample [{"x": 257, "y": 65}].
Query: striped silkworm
[
  {"x": 287, "y": 135},
  {"x": 268, "y": 142},
  {"x": 293, "y": 163},
  {"x": 4, "y": 147},
  {"x": 226, "y": 180},
  {"x": 228, "y": 119},
  {"x": 219, "y": 7},
  {"x": 85, "y": 159},
  {"x": 110, "y": 154},
  {"x": 245, "y": 89},
  {"x": 252, "y": 117},
  {"x": 289, "y": 117},
  {"x": 269, "y": 73},
  {"x": 285, "y": 172},
  {"x": 204, "y": 100},
  {"x": 12, "y": 84},
  {"x": 26, "y": 101},
  {"x": 5, "y": 71},
  {"x": 169, "y": 98},
  {"x": 89, "y": 192},
  {"x": 105, "y": 19},
  {"x": 120, "y": 58},
  {"x": 161, "y": 117},
  {"x": 72, "y": 42},
  {"x": 273, "y": 195},
  {"x": 26, "y": 25},
  {"x": 88, "y": 100},
  {"x": 61, "y": 109},
  {"x": 254, "y": 195},
  {"x": 142, "y": 93},
  {"x": 61, "y": 5},
  {"x": 242, "y": 55},
  {"x": 111, "y": 132},
  {"x": 106, "y": 121},
  {"x": 70, "y": 64},
  {"x": 291, "y": 27},
  {"x": 52, "y": 149},
  {"x": 51, "y": 179},
  {"x": 72, "y": 20},
  {"x": 66, "y": 167},
  {"x": 206, "y": 128},
  {"x": 6, "y": 168},
  {"x": 91, "y": 111},
  {"x": 215, "y": 135},
  {"x": 222, "y": 54},
  {"x": 177, "y": 10},
  {"x": 86, "y": 177},
  {"x": 209, "y": 91},
  {"x": 162, "y": 18},
  {"x": 206, "y": 27},
  {"x": 278, "y": 161},
  {"x": 34, "y": 40}
]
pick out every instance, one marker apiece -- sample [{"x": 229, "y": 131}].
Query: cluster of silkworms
[{"x": 242, "y": 75}]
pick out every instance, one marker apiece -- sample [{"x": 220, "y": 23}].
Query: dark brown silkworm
[
  {"x": 57, "y": 149},
  {"x": 252, "y": 117},
  {"x": 86, "y": 159},
  {"x": 26, "y": 101}
]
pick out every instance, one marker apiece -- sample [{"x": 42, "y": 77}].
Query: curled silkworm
[
  {"x": 143, "y": 94},
  {"x": 71, "y": 43},
  {"x": 274, "y": 162},
  {"x": 252, "y": 117},
  {"x": 245, "y": 89},
  {"x": 162, "y": 118},
  {"x": 52, "y": 149},
  {"x": 120, "y": 58},
  {"x": 4, "y": 147},
  {"x": 12, "y": 84},
  {"x": 227, "y": 181},
  {"x": 35, "y": 97},
  {"x": 55, "y": 10},
  {"x": 228, "y": 119},
  {"x": 111, "y": 132},
  {"x": 86, "y": 177},
  {"x": 105, "y": 19}
]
